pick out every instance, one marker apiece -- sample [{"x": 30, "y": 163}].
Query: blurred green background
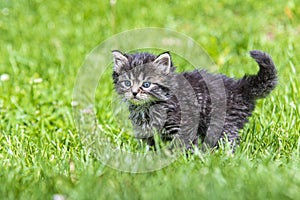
[{"x": 44, "y": 43}]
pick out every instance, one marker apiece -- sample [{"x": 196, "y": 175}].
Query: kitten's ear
[
  {"x": 119, "y": 60},
  {"x": 163, "y": 62}
]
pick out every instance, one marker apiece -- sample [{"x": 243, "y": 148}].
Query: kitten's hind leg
[
  {"x": 229, "y": 138},
  {"x": 232, "y": 139},
  {"x": 149, "y": 141},
  {"x": 184, "y": 143}
]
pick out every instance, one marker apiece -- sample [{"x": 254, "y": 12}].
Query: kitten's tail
[{"x": 261, "y": 84}]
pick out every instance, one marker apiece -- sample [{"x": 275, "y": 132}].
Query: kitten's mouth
[
  {"x": 135, "y": 99},
  {"x": 138, "y": 101}
]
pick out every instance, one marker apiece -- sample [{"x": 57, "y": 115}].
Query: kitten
[{"x": 188, "y": 106}]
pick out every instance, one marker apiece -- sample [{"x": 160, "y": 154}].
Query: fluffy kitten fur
[{"x": 160, "y": 100}]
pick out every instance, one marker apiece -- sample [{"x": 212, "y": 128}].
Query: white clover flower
[
  {"x": 4, "y": 77},
  {"x": 37, "y": 80}
]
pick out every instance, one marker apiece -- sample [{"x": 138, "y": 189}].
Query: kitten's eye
[
  {"x": 146, "y": 84},
  {"x": 127, "y": 83}
]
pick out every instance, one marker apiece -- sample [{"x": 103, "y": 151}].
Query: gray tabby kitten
[{"x": 180, "y": 106}]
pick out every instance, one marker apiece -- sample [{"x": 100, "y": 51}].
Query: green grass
[{"x": 41, "y": 151}]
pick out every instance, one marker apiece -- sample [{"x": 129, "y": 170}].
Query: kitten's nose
[{"x": 134, "y": 94}]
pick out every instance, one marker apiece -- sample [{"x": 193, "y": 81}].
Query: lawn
[{"x": 43, "y": 45}]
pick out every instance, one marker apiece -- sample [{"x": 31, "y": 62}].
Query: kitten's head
[{"x": 142, "y": 77}]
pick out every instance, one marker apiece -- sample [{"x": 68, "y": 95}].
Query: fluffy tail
[{"x": 261, "y": 84}]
